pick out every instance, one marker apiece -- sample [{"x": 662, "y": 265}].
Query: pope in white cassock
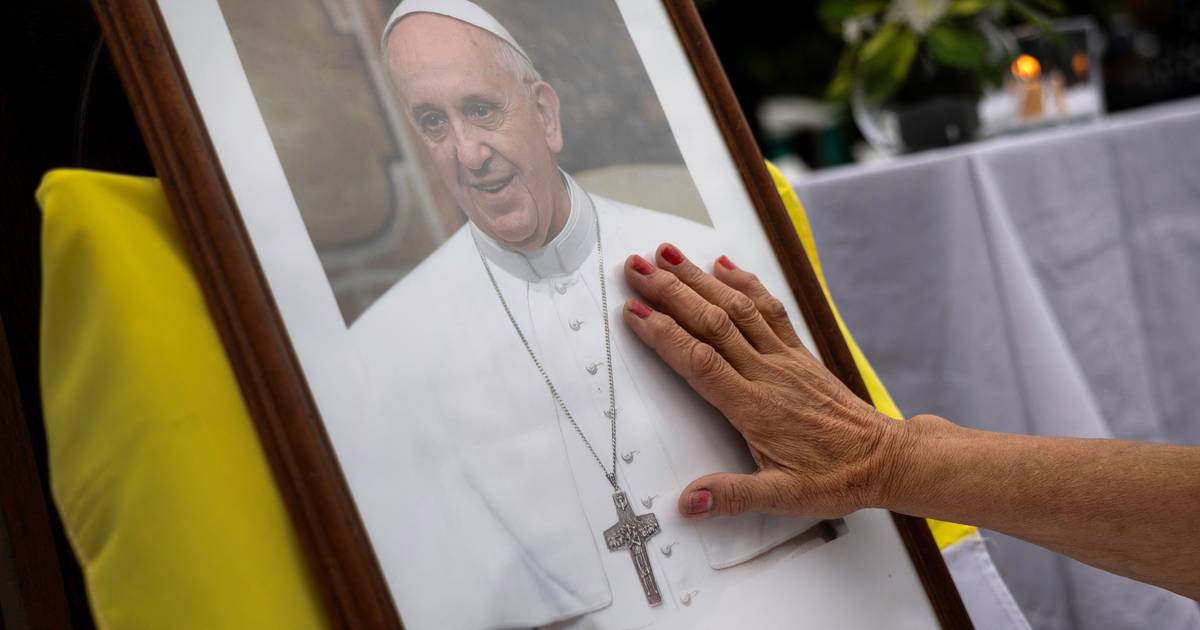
[{"x": 486, "y": 503}]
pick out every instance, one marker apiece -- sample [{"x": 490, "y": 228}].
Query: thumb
[{"x": 730, "y": 494}]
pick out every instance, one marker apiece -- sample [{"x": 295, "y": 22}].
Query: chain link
[{"x": 612, "y": 394}]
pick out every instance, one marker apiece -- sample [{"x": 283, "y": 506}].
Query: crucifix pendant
[{"x": 632, "y": 531}]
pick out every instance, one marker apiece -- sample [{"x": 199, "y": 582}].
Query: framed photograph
[{"x": 410, "y": 221}]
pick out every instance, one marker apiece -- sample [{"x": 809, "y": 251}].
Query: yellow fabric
[
  {"x": 945, "y": 534},
  {"x": 155, "y": 466}
]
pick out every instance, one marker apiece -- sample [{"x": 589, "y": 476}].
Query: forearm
[{"x": 1127, "y": 507}]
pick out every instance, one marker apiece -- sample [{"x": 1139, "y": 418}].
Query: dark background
[
  {"x": 62, "y": 106},
  {"x": 1152, "y": 54}
]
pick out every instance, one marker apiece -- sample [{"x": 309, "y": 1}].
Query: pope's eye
[
  {"x": 431, "y": 123},
  {"x": 480, "y": 110}
]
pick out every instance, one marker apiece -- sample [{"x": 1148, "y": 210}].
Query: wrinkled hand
[{"x": 821, "y": 450}]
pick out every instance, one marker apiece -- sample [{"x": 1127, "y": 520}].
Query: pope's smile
[{"x": 495, "y": 186}]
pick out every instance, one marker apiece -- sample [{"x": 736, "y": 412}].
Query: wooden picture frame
[{"x": 291, "y": 430}]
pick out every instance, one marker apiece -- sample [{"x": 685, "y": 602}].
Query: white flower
[
  {"x": 918, "y": 14},
  {"x": 853, "y": 29}
]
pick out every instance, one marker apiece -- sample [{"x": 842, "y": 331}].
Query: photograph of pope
[{"x": 504, "y": 397}]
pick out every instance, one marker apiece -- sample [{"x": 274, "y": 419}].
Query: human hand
[{"x": 821, "y": 450}]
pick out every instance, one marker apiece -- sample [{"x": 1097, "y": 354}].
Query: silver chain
[{"x": 612, "y": 395}]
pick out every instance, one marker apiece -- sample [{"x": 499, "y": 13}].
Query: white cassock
[{"x": 483, "y": 504}]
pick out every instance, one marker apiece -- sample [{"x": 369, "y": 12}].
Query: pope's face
[{"x": 494, "y": 139}]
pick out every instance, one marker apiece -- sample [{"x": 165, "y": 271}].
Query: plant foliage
[{"x": 884, "y": 38}]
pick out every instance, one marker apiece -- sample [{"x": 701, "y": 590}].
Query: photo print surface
[{"x": 367, "y": 187}]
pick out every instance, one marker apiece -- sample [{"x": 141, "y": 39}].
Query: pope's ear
[{"x": 547, "y": 108}]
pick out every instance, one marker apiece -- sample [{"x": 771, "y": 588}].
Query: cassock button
[
  {"x": 667, "y": 550},
  {"x": 593, "y": 368},
  {"x": 628, "y": 457},
  {"x": 648, "y": 502},
  {"x": 688, "y": 598},
  {"x": 562, "y": 287},
  {"x": 576, "y": 324}
]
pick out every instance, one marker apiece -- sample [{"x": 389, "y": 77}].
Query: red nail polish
[
  {"x": 699, "y": 502},
  {"x": 726, "y": 263},
  {"x": 672, "y": 255},
  {"x": 639, "y": 309},
  {"x": 642, "y": 265}
]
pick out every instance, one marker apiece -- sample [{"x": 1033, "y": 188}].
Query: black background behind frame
[{"x": 47, "y": 46}]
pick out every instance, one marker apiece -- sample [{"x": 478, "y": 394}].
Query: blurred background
[{"x": 795, "y": 75}]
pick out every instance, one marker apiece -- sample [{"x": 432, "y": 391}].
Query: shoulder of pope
[{"x": 453, "y": 275}]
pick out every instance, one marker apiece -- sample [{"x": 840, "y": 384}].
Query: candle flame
[
  {"x": 1025, "y": 67},
  {"x": 1079, "y": 63}
]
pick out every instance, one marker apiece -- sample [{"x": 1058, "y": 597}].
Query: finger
[
  {"x": 730, "y": 494},
  {"x": 697, "y": 362},
  {"x": 769, "y": 306},
  {"x": 703, "y": 319},
  {"x": 740, "y": 309}
]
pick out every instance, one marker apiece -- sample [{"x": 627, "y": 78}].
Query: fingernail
[
  {"x": 642, "y": 265},
  {"x": 672, "y": 255},
  {"x": 699, "y": 502},
  {"x": 639, "y": 309},
  {"x": 726, "y": 263}
]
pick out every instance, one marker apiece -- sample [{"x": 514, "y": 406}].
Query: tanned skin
[{"x": 1126, "y": 507}]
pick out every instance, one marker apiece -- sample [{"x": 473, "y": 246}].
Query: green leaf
[
  {"x": 880, "y": 43},
  {"x": 843, "y": 78},
  {"x": 966, "y": 8},
  {"x": 1051, "y": 6},
  {"x": 1037, "y": 19},
  {"x": 839, "y": 10},
  {"x": 957, "y": 46},
  {"x": 886, "y": 59}
]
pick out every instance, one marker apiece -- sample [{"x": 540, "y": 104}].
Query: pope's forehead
[{"x": 423, "y": 38}]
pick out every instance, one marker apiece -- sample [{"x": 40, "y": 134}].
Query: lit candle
[{"x": 1028, "y": 73}]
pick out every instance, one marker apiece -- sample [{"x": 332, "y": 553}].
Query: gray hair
[{"x": 518, "y": 64}]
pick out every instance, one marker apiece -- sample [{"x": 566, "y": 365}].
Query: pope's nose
[{"x": 473, "y": 155}]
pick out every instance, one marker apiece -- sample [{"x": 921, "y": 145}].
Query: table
[{"x": 1046, "y": 283}]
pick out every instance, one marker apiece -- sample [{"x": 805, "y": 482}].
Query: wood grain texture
[
  {"x": 293, "y": 437},
  {"x": 918, "y": 540},
  {"x": 272, "y": 381}
]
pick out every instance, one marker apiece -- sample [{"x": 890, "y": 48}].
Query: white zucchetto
[{"x": 461, "y": 10}]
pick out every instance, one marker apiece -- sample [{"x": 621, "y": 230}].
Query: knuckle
[
  {"x": 772, "y": 308},
  {"x": 673, "y": 289},
  {"x": 703, "y": 358},
  {"x": 714, "y": 322},
  {"x": 737, "y": 498},
  {"x": 660, "y": 328},
  {"x": 742, "y": 308}
]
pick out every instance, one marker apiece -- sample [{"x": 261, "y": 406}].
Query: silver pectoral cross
[{"x": 632, "y": 531}]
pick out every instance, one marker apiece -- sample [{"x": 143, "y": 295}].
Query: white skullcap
[{"x": 461, "y": 10}]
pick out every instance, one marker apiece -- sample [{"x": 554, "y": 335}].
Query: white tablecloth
[{"x": 1045, "y": 284}]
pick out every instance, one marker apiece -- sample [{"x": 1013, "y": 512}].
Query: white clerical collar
[{"x": 561, "y": 256}]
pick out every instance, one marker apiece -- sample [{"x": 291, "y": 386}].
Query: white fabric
[
  {"x": 1043, "y": 284},
  {"x": 509, "y": 480},
  {"x": 461, "y": 10},
  {"x": 984, "y": 593}
]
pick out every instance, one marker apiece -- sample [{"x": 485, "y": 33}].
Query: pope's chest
[{"x": 561, "y": 320}]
